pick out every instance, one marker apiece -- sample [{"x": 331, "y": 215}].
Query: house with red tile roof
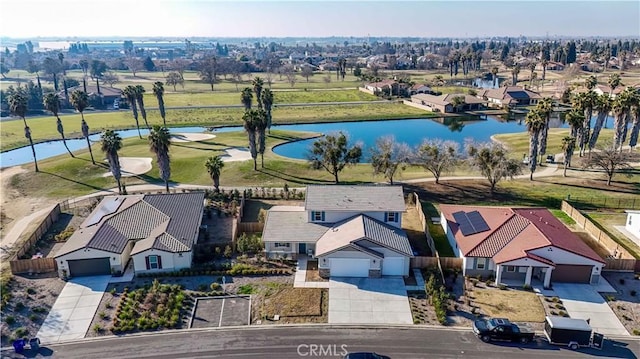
[{"x": 518, "y": 244}]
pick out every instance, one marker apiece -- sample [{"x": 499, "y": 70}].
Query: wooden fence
[
  {"x": 250, "y": 227},
  {"x": 39, "y": 265},
  {"x": 441, "y": 262},
  {"x": 615, "y": 249},
  {"x": 423, "y": 221},
  {"x": 42, "y": 228}
]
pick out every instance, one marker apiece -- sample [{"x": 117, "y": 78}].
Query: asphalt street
[{"x": 318, "y": 342}]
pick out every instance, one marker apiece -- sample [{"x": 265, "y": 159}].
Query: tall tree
[
  {"x": 18, "y": 107},
  {"x": 267, "y": 102},
  {"x": 130, "y": 94},
  {"x": 98, "y": 68},
  {"x": 261, "y": 128},
  {"x": 258, "y": 84},
  {"x": 208, "y": 71},
  {"x": 622, "y": 112},
  {"x": 214, "y": 166},
  {"x": 494, "y": 73},
  {"x": 389, "y": 157},
  {"x": 544, "y": 63},
  {"x": 545, "y": 108},
  {"x": 51, "y": 102},
  {"x": 535, "y": 124},
  {"x": 603, "y": 107},
  {"x": 110, "y": 145},
  {"x": 140, "y": 99},
  {"x": 251, "y": 118},
  {"x": 159, "y": 143},
  {"x": 614, "y": 82},
  {"x": 610, "y": 161},
  {"x": 332, "y": 152},
  {"x": 437, "y": 156},
  {"x": 457, "y": 102},
  {"x": 174, "y": 78},
  {"x": 158, "y": 91},
  {"x": 575, "y": 119},
  {"x": 568, "y": 145},
  {"x": 514, "y": 74},
  {"x": 635, "y": 130},
  {"x": 246, "y": 97},
  {"x": 80, "y": 101},
  {"x": 492, "y": 160}
]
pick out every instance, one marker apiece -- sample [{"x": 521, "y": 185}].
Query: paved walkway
[
  {"x": 368, "y": 301},
  {"x": 73, "y": 311},
  {"x": 300, "y": 280},
  {"x": 419, "y": 281}
]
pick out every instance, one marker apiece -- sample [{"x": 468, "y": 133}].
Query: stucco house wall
[
  {"x": 170, "y": 261},
  {"x": 117, "y": 261}
]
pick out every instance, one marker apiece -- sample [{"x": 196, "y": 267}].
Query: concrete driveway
[
  {"x": 368, "y": 301},
  {"x": 71, "y": 314},
  {"x": 584, "y": 302}
]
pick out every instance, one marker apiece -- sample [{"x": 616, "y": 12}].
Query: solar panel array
[{"x": 470, "y": 223}]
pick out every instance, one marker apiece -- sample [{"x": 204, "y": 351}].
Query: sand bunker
[
  {"x": 191, "y": 137},
  {"x": 132, "y": 166},
  {"x": 236, "y": 154}
]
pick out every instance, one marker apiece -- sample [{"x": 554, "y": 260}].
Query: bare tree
[
  {"x": 610, "y": 161},
  {"x": 179, "y": 66},
  {"x": 327, "y": 80},
  {"x": 173, "y": 78},
  {"x": 389, "y": 157},
  {"x": 437, "y": 156},
  {"x": 134, "y": 64},
  {"x": 110, "y": 78},
  {"x": 307, "y": 72}
]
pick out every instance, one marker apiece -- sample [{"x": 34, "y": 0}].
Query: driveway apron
[
  {"x": 73, "y": 311},
  {"x": 368, "y": 301}
]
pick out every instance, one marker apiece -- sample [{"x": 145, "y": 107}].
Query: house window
[
  {"x": 317, "y": 216},
  {"x": 281, "y": 244},
  {"x": 154, "y": 262},
  {"x": 481, "y": 263},
  {"x": 391, "y": 217},
  {"x": 630, "y": 220},
  {"x": 511, "y": 268}
]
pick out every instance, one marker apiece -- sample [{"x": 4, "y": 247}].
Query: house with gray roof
[
  {"x": 352, "y": 231},
  {"x": 157, "y": 232}
]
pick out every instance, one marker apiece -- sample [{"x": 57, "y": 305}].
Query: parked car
[
  {"x": 571, "y": 332},
  {"x": 365, "y": 355},
  {"x": 502, "y": 329}
]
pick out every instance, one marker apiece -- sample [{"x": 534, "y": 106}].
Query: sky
[{"x": 306, "y": 18}]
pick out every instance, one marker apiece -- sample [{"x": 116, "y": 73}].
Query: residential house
[
  {"x": 420, "y": 88},
  {"x": 555, "y": 66},
  {"x": 384, "y": 86},
  {"x": 353, "y": 231},
  {"x": 510, "y": 96},
  {"x": 444, "y": 103},
  {"x": 602, "y": 89},
  {"x": 110, "y": 95},
  {"x": 633, "y": 225},
  {"x": 518, "y": 244},
  {"x": 156, "y": 231}
]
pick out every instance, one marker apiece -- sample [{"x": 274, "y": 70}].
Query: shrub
[
  {"x": 633, "y": 292},
  {"x": 31, "y": 291},
  {"x": 228, "y": 252},
  {"x": 636, "y": 332},
  {"x": 113, "y": 291},
  {"x": 502, "y": 286},
  {"x": 202, "y": 288},
  {"x": 215, "y": 286},
  {"x": 610, "y": 298},
  {"x": 108, "y": 305},
  {"x": 562, "y": 313},
  {"x": 559, "y": 306},
  {"x": 19, "y": 306},
  {"x": 33, "y": 317},
  {"x": 38, "y": 310},
  {"x": 527, "y": 287},
  {"x": 97, "y": 328},
  {"x": 21, "y": 332},
  {"x": 556, "y": 300},
  {"x": 247, "y": 289},
  {"x": 64, "y": 235},
  {"x": 10, "y": 319},
  {"x": 103, "y": 315},
  {"x": 553, "y": 312}
]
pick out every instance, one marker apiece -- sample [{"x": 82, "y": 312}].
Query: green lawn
[{"x": 43, "y": 128}]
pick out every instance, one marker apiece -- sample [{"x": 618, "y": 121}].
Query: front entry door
[{"x": 302, "y": 248}]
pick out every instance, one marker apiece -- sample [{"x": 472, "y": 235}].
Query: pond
[{"x": 411, "y": 131}]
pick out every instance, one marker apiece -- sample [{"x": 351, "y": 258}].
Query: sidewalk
[{"x": 300, "y": 280}]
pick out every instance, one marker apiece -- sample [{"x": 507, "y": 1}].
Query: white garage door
[
  {"x": 349, "y": 267},
  {"x": 393, "y": 266}
]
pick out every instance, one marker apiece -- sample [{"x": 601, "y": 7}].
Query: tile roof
[
  {"x": 447, "y": 99},
  {"x": 168, "y": 222},
  {"x": 511, "y": 92},
  {"x": 514, "y": 232},
  {"x": 355, "y": 198},
  {"x": 361, "y": 227},
  {"x": 290, "y": 224}
]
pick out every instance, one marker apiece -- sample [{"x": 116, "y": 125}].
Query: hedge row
[{"x": 230, "y": 272}]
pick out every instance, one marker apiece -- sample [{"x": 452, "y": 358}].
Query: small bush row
[{"x": 231, "y": 272}]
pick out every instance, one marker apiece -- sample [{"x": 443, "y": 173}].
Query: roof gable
[{"x": 355, "y": 198}]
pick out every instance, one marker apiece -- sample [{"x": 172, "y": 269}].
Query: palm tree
[
  {"x": 159, "y": 142},
  {"x": 246, "y": 97},
  {"x": 591, "y": 82},
  {"x": 494, "y": 73},
  {"x": 575, "y": 119},
  {"x": 257, "y": 88},
  {"x": 18, "y": 105},
  {"x": 568, "y": 144},
  {"x": 545, "y": 108},
  {"x": 635, "y": 130},
  {"x": 80, "y": 101},
  {"x": 585, "y": 102},
  {"x": 614, "y": 82},
  {"x": 457, "y": 102},
  {"x": 111, "y": 144},
  {"x": 214, "y": 166},
  {"x": 535, "y": 124},
  {"x": 51, "y": 102},
  {"x": 532, "y": 68},
  {"x": 603, "y": 107},
  {"x": 267, "y": 102},
  {"x": 140, "y": 99},
  {"x": 544, "y": 63},
  {"x": 250, "y": 119},
  {"x": 261, "y": 123},
  {"x": 514, "y": 74},
  {"x": 130, "y": 95},
  {"x": 158, "y": 90}
]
